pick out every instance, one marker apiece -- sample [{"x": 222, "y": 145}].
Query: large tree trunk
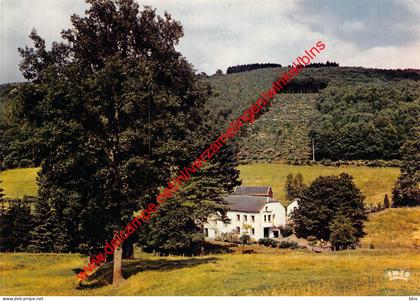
[{"x": 117, "y": 278}]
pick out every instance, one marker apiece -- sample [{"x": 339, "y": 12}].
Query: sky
[{"x": 219, "y": 34}]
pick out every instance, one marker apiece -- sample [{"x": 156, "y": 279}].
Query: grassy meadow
[
  {"x": 393, "y": 232},
  {"x": 374, "y": 182},
  {"x": 19, "y": 182},
  {"x": 393, "y": 228},
  {"x": 274, "y": 272}
]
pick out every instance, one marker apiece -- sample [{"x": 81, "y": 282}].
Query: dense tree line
[
  {"x": 319, "y": 65},
  {"x": 249, "y": 67},
  {"x": 305, "y": 85},
  {"x": 364, "y": 121}
]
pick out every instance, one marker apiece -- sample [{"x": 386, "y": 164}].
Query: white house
[{"x": 251, "y": 210}]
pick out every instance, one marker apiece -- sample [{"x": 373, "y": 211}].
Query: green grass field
[
  {"x": 373, "y": 182},
  {"x": 278, "y": 272},
  {"x": 356, "y": 272},
  {"x": 393, "y": 228},
  {"x": 19, "y": 182}
]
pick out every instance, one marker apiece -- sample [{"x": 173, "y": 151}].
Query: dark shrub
[
  {"x": 286, "y": 230},
  {"x": 267, "y": 242},
  {"x": 25, "y": 163},
  {"x": 288, "y": 245}
]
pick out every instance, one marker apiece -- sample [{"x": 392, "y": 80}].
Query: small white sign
[{"x": 397, "y": 274}]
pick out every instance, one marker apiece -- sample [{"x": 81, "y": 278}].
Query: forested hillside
[{"x": 352, "y": 113}]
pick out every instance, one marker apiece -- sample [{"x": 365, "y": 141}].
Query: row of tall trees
[
  {"x": 119, "y": 110},
  {"x": 249, "y": 67}
]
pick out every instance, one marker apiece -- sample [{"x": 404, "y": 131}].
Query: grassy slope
[
  {"x": 355, "y": 272},
  {"x": 19, "y": 182},
  {"x": 393, "y": 228},
  {"x": 359, "y": 272},
  {"x": 374, "y": 182}
]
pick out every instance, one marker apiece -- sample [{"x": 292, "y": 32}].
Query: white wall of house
[
  {"x": 292, "y": 206},
  {"x": 271, "y": 215}
]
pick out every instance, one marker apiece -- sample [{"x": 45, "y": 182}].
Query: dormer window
[{"x": 266, "y": 208}]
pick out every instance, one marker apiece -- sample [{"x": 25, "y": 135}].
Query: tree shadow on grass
[{"x": 103, "y": 276}]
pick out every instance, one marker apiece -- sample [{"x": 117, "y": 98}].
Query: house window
[
  {"x": 252, "y": 218},
  {"x": 252, "y": 231},
  {"x": 265, "y": 218},
  {"x": 266, "y": 208},
  {"x": 206, "y": 232},
  {"x": 238, "y": 229},
  {"x": 269, "y": 217},
  {"x": 238, "y": 217},
  {"x": 245, "y": 218}
]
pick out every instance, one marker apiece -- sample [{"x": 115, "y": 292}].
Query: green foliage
[
  {"x": 358, "y": 103},
  {"x": 19, "y": 140},
  {"x": 119, "y": 110},
  {"x": 327, "y": 199},
  {"x": 342, "y": 234},
  {"x": 268, "y": 242},
  {"x": 16, "y": 221},
  {"x": 245, "y": 239},
  {"x": 178, "y": 227},
  {"x": 286, "y": 230},
  {"x": 288, "y": 245},
  {"x": 5, "y": 224},
  {"x": 367, "y": 121},
  {"x": 294, "y": 187},
  {"x": 231, "y": 237},
  {"x": 406, "y": 191},
  {"x": 49, "y": 234},
  {"x": 116, "y": 107}
]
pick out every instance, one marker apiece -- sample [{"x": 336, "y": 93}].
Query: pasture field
[
  {"x": 374, "y": 182},
  {"x": 19, "y": 182},
  {"x": 394, "y": 227},
  {"x": 278, "y": 272},
  {"x": 355, "y": 272}
]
